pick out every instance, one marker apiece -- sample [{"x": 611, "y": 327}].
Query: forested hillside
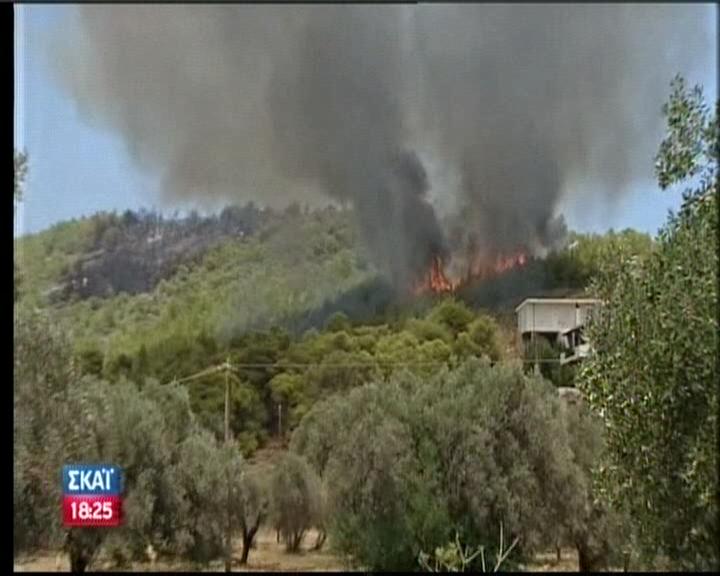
[{"x": 290, "y": 293}]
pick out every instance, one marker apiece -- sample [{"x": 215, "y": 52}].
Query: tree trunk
[
  {"x": 78, "y": 563},
  {"x": 228, "y": 542},
  {"x": 295, "y": 538},
  {"x": 590, "y": 560},
  {"x": 583, "y": 559},
  {"x": 320, "y": 540},
  {"x": 248, "y": 537},
  {"x": 81, "y": 548},
  {"x": 247, "y": 542},
  {"x": 558, "y": 553}
]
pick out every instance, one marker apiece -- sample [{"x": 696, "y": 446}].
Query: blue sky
[{"x": 77, "y": 169}]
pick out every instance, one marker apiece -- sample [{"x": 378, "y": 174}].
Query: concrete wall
[{"x": 552, "y": 317}]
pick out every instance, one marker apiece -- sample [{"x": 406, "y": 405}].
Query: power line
[{"x": 224, "y": 367}]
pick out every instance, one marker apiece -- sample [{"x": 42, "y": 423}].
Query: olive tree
[
  {"x": 411, "y": 462},
  {"x": 653, "y": 377},
  {"x": 177, "y": 481},
  {"x": 41, "y": 376},
  {"x": 295, "y": 491},
  {"x": 20, "y": 165},
  {"x": 251, "y": 507}
]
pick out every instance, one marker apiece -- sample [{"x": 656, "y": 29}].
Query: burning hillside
[
  {"x": 433, "y": 123},
  {"x": 438, "y": 281}
]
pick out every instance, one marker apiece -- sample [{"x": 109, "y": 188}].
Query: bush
[
  {"x": 251, "y": 507},
  {"x": 453, "y": 315},
  {"x": 410, "y": 462},
  {"x": 426, "y": 331},
  {"x": 43, "y": 372},
  {"x": 176, "y": 478},
  {"x": 338, "y": 322},
  {"x": 295, "y": 496},
  {"x": 480, "y": 339},
  {"x": 197, "y": 477}
]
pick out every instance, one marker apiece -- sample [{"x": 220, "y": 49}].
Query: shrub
[
  {"x": 252, "y": 509},
  {"x": 454, "y": 315},
  {"x": 409, "y": 462},
  {"x": 338, "y": 322},
  {"x": 295, "y": 496},
  {"x": 480, "y": 339},
  {"x": 176, "y": 478}
]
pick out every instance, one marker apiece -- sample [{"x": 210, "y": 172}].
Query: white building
[{"x": 558, "y": 320}]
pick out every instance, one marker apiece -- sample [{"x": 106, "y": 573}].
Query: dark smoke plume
[{"x": 518, "y": 106}]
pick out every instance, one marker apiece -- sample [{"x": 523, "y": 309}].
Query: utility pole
[
  {"x": 227, "y": 400},
  {"x": 228, "y": 533},
  {"x": 227, "y": 368},
  {"x": 534, "y": 344}
]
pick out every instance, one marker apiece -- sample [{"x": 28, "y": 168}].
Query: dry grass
[
  {"x": 547, "y": 562},
  {"x": 267, "y": 555}
]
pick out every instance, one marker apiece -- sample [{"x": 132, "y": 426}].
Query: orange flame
[
  {"x": 435, "y": 280},
  {"x": 481, "y": 268}
]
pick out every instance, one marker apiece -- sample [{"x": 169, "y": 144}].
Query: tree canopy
[
  {"x": 409, "y": 461},
  {"x": 654, "y": 375}
]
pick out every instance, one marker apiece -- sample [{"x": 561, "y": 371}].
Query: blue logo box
[{"x": 92, "y": 479}]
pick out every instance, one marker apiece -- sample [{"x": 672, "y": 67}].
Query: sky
[{"x": 77, "y": 169}]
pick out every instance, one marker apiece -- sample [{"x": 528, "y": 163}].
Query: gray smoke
[{"x": 516, "y": 105}]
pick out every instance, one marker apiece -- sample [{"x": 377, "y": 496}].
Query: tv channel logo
[{"x": 92, "y": 495}]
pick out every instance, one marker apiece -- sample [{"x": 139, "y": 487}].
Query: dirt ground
[
  {"x": 269, "y": 556},
  {"x": 547, "y": 562}
]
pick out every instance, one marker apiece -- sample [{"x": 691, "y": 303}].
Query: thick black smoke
[
  {"x": 521, "y": 104},
  {"x": 338, "y": 109}
]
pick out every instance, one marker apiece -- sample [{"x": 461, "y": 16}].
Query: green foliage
[
  {"x": 453, "y": 315},
  {"x": 409, "y": 461},
  {"x": 338, "y": 322},
  {"x": 250, "y": 507},
  {"x": 222, "y": 303},
  {"x": 426, "y": 330},
  {"x": 91, "y": 361},
  {"x": 289, "y": 391},
  {"x": 42, "y": 373},
  {"x": 203, "y": 478},
  {"x": 296, "y": 499},
  {"x": 20, "y": 165},
  {"x": 176, "y": 478},
  {"x": 481, "y": 339},
  {"x": 654, "y": 375},
  {"x": 548, "y": 356},
  {"x": 456, "y": 558},
  {"x": 580, "y": 260},
  {"x": 20, "y": 175},
  {"x": 240, "y": 283},
  {"x": 43, "y": 258},
  {"x": 691, "y": 146},
  {"x": 341, "y": 370}
]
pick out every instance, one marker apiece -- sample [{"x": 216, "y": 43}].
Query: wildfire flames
[{"x": 436, "y": 281}]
